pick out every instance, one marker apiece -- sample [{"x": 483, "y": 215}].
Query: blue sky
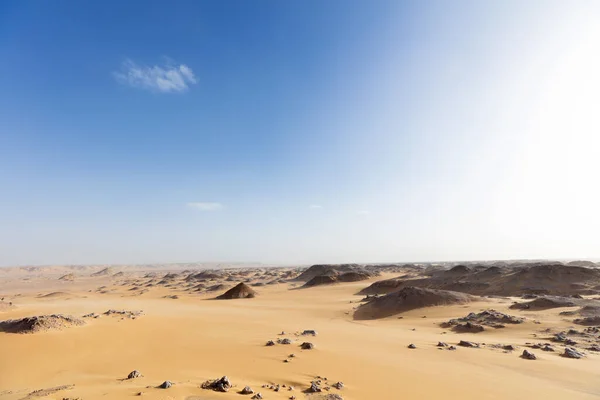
[{"x": 297, "y": 131}]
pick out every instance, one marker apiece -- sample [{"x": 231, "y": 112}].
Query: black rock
[
  {"x": 134, "y": 374},
  {"x": 247, "y": 390},
  {"x": 165, "y": 385},
  {"x": 528, "y": 355},
  {"x": 572, "y": 353}
]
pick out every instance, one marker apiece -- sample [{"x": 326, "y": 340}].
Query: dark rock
[
  {"x": 247, "y": 390},
  {"x": 314, "y": 388},
  {"x": 284, "y": 341},
  {"x": 412, "y": 346},
  {"x": 220, "y": 385},
  {"x": 465, "y": 343},
  {"x": 307, "y": 346},
  {"x": 442, "y": 344},
  {"x": 134, "y": 374},
  {"x": 309, "y": 332},
  {"x": 165, "y": 385},
  {"x": 528, "y": 355},
  {"x": 572, "y": 353},
  {"x": 468, "y": 327},
  {"x": 257, "y": 396},
  {"x": 270, "y": 343},
  {"x": 338, "y": 385}
]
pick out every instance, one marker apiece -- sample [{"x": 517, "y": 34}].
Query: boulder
[
  {"x": 134, "y": 374},
  {"x": 528, "y": 355},
  {"x": 165, "y": 385}
]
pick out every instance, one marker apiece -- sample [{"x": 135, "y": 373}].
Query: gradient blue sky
[{"x": 310, "y": 131}]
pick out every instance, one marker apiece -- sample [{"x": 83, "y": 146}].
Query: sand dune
[{"x": 189, "y": 341}]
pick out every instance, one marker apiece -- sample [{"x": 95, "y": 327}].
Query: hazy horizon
[{"x": 298, "y": 132}]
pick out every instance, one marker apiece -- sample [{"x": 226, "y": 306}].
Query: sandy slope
[{"x": 192, "y": 339}]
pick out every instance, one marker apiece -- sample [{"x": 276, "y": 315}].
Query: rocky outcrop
[{"x": 406, "y": 299}]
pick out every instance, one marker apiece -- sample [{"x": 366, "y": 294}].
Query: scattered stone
[
  {"x": 309, "y": 332},
  {"x": 412, "y": 346},
  {"x": 247, "y": 390},
  {"x": 314, "y": 388},
  {"x": 442, "y": 344},
  {"x": 474, "y": 322},
  {"x": 124, "y": 313},
  {"x": 134, "y": 374},
  {"x": 338, "y": 385},
  {"x": 594, "y": 347},
  {"x": 284, "y": 341},
  {"x": 451, "y": 348},
  {"x": 257, "y": 396},
  {"x": 270, "y": 343},
  {"x": 508, "y": 347},
  {"x": 220, "y": 385},
  {"x": 572, "y": 353},
  {"x": 307, "y": 346},
  {"x": 465, "y": 343},
  {"x": 528, "y": 355},
  {"x": 292, "y": 355},
  {"x": 165, "y": 385}
]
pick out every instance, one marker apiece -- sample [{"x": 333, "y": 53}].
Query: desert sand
[{"x": 177, "y": 331}]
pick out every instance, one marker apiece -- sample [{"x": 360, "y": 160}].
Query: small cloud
[
  {"x": 364, "y": 212},
  {"x": 315, "y": 207},
  {"x": 164, "y": 79},
  {"x": 206, "y": 206}
]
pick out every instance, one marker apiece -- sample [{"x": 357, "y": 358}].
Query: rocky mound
[
  {"x": 540, "y": 278},
  {"x": 240, "y": 291},
  {"x": 408, "y": 298},
  {"x": 582, "y": 263},
  {"x": 458, "y": 270},
  {"x": 588, "y": 321},
  {"x": 354, "y": 276},
  {"x": 544, "y": 303},
  {"x": 104, "y": 272},
  {"x": 67, "y": 278},
  {"x": 385, "y": 286},
  {"x": 474, "y": 322},
  {"x": 218, "y": 286},
  {"x": 39, "y": 323},
  {"x": 321, "y": 280},
  {"x": 326, "y": 270},
  {"x": 205, "y": 275}
]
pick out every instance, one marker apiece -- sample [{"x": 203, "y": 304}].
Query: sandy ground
[{"x": 192, "y": 339}]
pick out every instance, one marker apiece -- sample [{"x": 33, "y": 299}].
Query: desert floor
[{"x": 192, "y": 339}]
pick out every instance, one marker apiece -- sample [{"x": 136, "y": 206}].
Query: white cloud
[
  {"x": 364, "y": 212},
  {"x": 165, "y": 79},
  {"x": 204, "y": 206},
  {"x": 315, "y": 207}
]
